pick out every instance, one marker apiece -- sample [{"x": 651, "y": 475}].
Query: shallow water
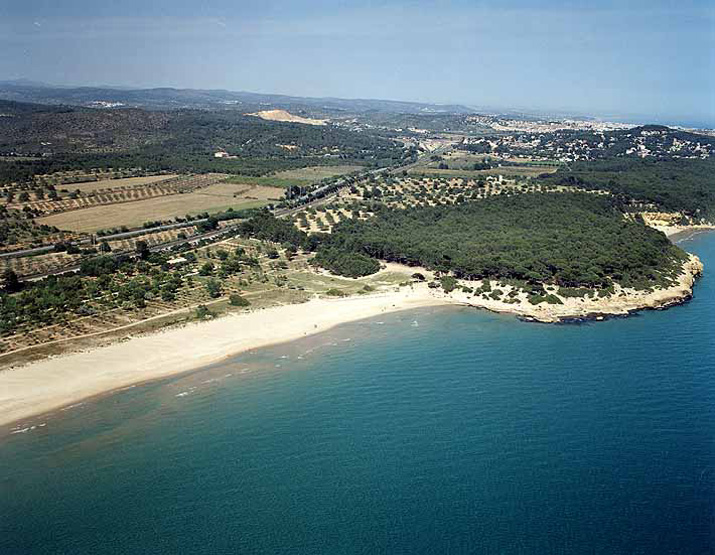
[{"x": 435, "y": 431}]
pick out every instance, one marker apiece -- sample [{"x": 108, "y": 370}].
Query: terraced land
[
  {"x": 28, "y": 240},
  {"x": 56, "y": 261},
  {"x": 92, "y": 186},
  {"x": 44, "y": 263}
]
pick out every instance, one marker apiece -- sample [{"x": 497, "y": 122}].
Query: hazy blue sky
[{"x": 654, "y": 58}]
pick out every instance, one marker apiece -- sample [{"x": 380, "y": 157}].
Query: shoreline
[
  {"x": 622, "y": 303},
  {"x": 678, "y": 232},
  {"x": 50, "y": 384},
  {"x": 44, "y": 386}
]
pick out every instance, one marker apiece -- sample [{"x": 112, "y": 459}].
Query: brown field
[
  {"x": 128, "y": 193},
  {"x": 316, "y": 173},
  {"x": 91, "y": 186},
  {"x": 213, "y": 198}
]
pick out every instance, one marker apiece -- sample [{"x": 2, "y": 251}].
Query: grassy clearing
[
  {"x": 316, "y": 173},
  {"x": 301, "y": 176},
  {"x": 320, "y": 283},
  {"x": 261, "y": 181},
  {"x": 132, "y": 214}
]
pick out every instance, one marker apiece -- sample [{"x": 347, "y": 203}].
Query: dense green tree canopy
[
  {"x": 574, "y": 239},
  {"x": 672, "y": 184}
]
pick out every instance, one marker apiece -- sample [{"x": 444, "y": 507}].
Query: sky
[{"x": 652, "y": 59}]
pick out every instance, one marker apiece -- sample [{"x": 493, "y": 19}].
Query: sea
[{"x": 440, "y": 430}]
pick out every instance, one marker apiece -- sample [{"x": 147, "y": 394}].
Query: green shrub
[
  {"x": 203, "y": 312},
  {"x": 343, "y": 263},
  {"x": 237, "y": 300},
  {"x": 214, "y": 288},
  {"x": 448, "y": 283}
]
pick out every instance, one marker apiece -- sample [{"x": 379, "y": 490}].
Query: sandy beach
[
  {"x": 49, "y": 384},
  {"x": 52, "y": 383},
  {"x": 674, "y": 232}
]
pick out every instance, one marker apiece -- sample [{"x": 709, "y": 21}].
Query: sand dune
[{"x": 283, "y": 115}]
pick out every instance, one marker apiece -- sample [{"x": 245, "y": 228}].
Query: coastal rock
[{"x": 623, "y": 302}]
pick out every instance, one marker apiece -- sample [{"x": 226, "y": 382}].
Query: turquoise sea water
[{"x": 433, "y": 431}]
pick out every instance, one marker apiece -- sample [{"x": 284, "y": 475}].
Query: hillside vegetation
[
  {"x": 676, "y": 184},
  {"x": 179, "y": 141}
]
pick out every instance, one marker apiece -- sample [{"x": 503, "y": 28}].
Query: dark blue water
[{"x": 436, "y": 431}]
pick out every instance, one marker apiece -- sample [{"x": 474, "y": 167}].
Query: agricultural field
[
  {"x": 404, "y": 192},
  {"x": 457, "y": 163},
  {"x": 413, "y": 191},
  {"x": 153, "y": 238},
  {"x": 17, "y": 232},
  {"x": 323, "y": 219},
  {"x": 129, "y": 192},
  {"x": 44, "y": 263},
  {"x": 214, "y": 198},
  {"x": 121, "y": 183}
]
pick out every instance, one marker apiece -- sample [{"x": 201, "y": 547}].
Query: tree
[
  {"x": 214, "y": 288},
  {"x": 449, "y": 284},
  {"x": 142, "y": 249},
  {"x": 104, "y": 247},
  {"x": 11, "y": 281},
  {"x": 210, "y": 224},
  {"x": 168, "y": 293},
  {"x": 207, "y": 269}
]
